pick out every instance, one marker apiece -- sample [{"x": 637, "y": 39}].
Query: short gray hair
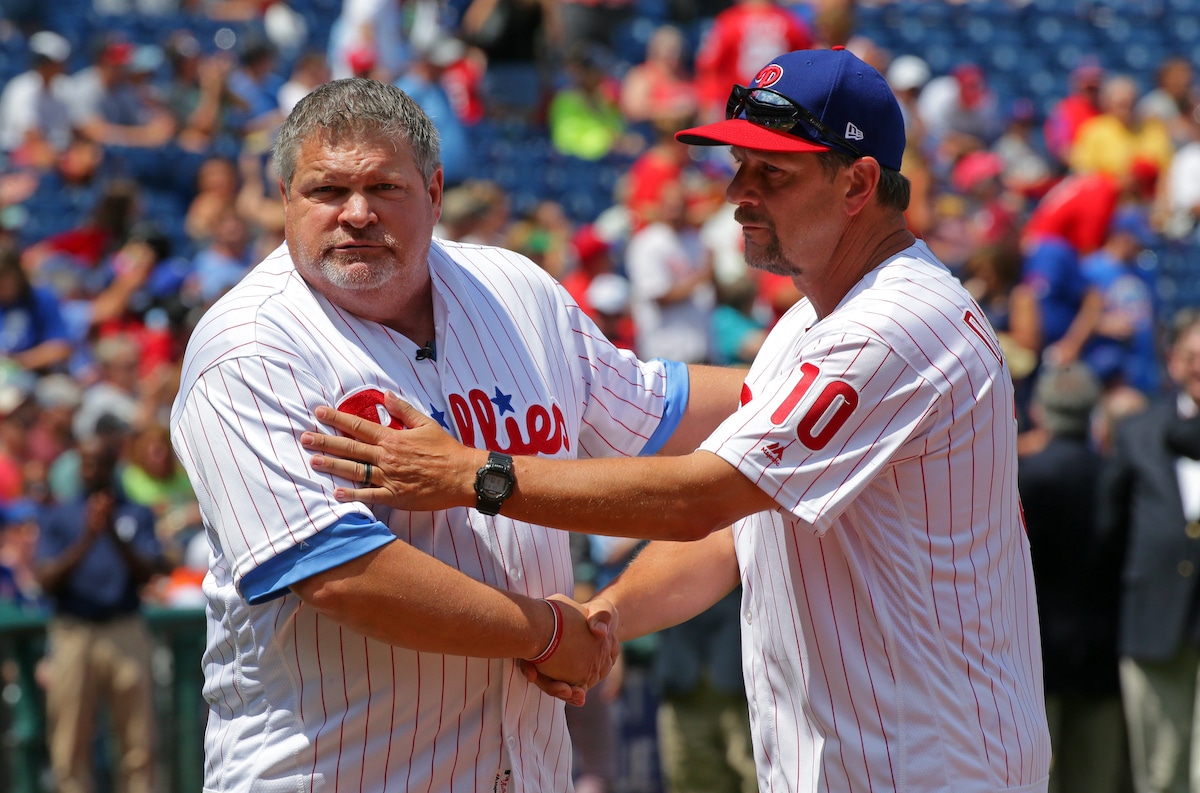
[
  {"x": 1067, "y": 395},
  {"x": 352, "y": 107}
]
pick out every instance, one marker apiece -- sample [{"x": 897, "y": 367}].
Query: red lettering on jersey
[
  {"x": 544, "y": 431},
  {"x": 843, "y": 399},
  {"x": 808, "y": 375},
  {"x": 461, "y": 413},
  {"x": 746, "y": 395},
  {"x": 818, "y": 425},
  {"x": 974, "y": 322}
]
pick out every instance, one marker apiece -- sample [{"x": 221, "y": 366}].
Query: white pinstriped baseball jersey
[
  {"x": 297, "y": 702},
  {"x": 891, "y": 636}
]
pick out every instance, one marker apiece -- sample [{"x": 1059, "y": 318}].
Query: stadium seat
[
  {"x": 1184, "y": 30},
  {"x": 630, "y": 39}
]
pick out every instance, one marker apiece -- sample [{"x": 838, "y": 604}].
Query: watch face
[{"x": 494, "y": 484}]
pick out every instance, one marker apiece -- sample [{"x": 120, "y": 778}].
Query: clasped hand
[{"x": 587, "y": 653}]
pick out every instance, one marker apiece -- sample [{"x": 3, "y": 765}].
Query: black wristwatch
[{"x": 494, "y": 483}]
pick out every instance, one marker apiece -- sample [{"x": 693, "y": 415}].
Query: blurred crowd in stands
[{"x": 136, "y": 187}]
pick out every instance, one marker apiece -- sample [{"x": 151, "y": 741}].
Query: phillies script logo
[{"x": 476, "y": 415}]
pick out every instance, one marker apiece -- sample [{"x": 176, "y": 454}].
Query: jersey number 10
[{"x": 826, "y": 415}]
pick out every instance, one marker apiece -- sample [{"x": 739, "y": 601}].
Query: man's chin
[
  {"x": 775, "y": 265},
  {"x": 355, "y": 274}
]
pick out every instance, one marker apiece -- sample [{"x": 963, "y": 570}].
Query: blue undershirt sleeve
[
  {"x": 349, "y": 538},
  {"x": 676, "y": 403}
]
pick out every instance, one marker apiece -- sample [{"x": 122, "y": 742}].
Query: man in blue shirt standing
[{"x": 94, "y": 555}]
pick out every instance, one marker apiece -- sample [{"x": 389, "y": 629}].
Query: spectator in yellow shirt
[{"x": 1112, "y": 141}]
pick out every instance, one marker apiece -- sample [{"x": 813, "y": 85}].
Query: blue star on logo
[
  {"x": 438, "y": 416},
  {"x": 503, "y": 402}
]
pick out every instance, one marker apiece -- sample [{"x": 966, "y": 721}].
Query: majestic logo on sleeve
[
  {"x": 773, "y": 452},
  {"x": 476, "y": 415}
]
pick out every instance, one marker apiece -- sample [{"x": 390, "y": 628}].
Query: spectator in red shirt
[
  {"x": 1069, "y": 113},
  {"x": 661, "y": 164},
  {"x": 1080, "y": 207},
  {"x": 593, "y": 256},
  {"x": 659, "y": 88},
  {"x": 743, "y": 38}
]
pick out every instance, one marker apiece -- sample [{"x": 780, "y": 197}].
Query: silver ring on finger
[{"x": 368, "y": 469}]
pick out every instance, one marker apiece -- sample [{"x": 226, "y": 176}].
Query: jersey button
[
  {"x": 749, "y": 617},
  {"x": 512, "y": 742}
]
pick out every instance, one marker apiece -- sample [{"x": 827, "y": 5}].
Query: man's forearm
[
  {"x": 652, "y": 498},
  {"x": 406, "y": 598},
  {"x": 429, "y": 606},
  {"x": 671, "y": 582}
]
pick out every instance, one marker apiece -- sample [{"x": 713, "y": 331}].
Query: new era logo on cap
[{"x": 853, "y": 132}]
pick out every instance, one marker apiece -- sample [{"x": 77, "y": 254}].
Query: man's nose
[{"x": 357, "y": 211}]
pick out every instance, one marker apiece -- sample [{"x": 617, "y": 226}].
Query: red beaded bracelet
[{"x": 555, "y": 637}]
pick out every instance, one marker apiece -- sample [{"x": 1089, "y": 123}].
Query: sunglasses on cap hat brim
[{"x": 766, "y": 120}]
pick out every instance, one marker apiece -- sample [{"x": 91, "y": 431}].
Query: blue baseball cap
[
  {"x": 855, "y": 109},
  {"x": 1134, "y": 222}
]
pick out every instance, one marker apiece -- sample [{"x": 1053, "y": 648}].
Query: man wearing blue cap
[{"x": 890, "y": 635}]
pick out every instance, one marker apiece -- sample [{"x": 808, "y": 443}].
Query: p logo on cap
[{"x": 768, "y": 76}]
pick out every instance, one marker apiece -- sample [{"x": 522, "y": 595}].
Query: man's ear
[{"x": 863, "y": 180}]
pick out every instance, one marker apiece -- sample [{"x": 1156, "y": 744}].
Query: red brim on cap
[{"x": 740, "y": 132}]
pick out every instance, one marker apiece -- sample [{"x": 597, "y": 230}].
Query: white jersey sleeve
[
  {"x": 239, "y": 431},
  {"x": 509, "y": 323},
  {"x": 816, "y": 435}
]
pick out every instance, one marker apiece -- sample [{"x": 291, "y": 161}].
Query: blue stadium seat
[
  {"x": 654, "y": 10},
  {"x": 980, "y": 30},
  {"x": 1049, "y": 29},
  {"x": 941, "y": 56},
  {"x": 1140, "y": 58},
  {"x": 583, "y": 204},
  {"x": 1184, "y": 30},
  {"x": 630, "y": 39}
]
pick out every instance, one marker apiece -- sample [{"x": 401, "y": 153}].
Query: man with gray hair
[
  {"x": 377, "y": 647},
  {"x": 34, "y": 106},
  {"x": 1077, "y": 585}
]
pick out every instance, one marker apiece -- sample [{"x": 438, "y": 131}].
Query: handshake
[{"x": 580, "y": 652}]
